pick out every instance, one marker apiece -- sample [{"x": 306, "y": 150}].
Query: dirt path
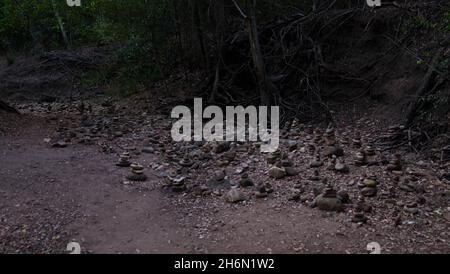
[{"x": 52, "y": 196}]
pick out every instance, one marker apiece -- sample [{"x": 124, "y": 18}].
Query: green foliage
[
  {"x": 143, "y": 29},
  {"x": 435, "y": 101},
  {"x": 446, "y": 22},
  {"x": 28, "y": 24}
]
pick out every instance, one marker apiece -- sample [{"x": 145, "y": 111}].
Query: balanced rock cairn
[
  {"x": 221, "y": 147},
  {"x": 360, "y": 158},
  {"x": 341, "y": 166},
  {"x": 331, "y": 163},
  {"x": 329, "y": 136},
  {"x": 317, "y": 137},
  {"x": 245, "y": 181},
  {"x": 328, "y": 200},
  {"x": 311, "y": 149},
  {"x": 229, "y": 156},
  {"x": 137, "y": 173},
  {"x": 261, "y": 191},
  {"x": 362, "y": 206},
  {"x": 186, "y": 161},
  {"x": 176, "y": 184},
  {"x": 345, "y": 140},
  {"x": 219, "y": 180},
  {"x": 359, "y": 217},
  {"x": 315, "y": 176},
  {"x": 357, "y": 141},
  {"x": 272, "y": 158},
  {"x": 124, "y": 160},
  {"x": 369, "y": 151},
  {"x": 288, "y": 166},
  {"x": 316, "y": 162},
  {"x": 396, "y": 163},
  {"x": 369, "y": 186}
]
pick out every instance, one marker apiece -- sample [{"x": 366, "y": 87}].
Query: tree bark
[
  {"x": 197, "y": 25},
  {"x": 423, "y": 88},
  {"x": 6, "y": 107},
  {"x": 60, "y": 24},
  {"x": 266, "y": 87},
  {"x": 220, "y": 24}
]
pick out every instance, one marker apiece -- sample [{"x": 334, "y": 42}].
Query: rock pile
[
  {"x": 328, "y": 200},
  {"x": 369, "y": 186},
  {"x": 124, "y": 160},
  {"x": 137, "y": 173}
]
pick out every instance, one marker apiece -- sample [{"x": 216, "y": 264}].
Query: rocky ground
[{"x": 327, "y": 189}]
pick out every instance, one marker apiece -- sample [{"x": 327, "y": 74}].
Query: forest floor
[{"x": 59, "y": 183}]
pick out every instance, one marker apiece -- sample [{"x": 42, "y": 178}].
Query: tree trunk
[
  {"x": 7, "y": 107},
  {"x": 424, "y": 87},
  {"x": 220, "y": 24},
  {"x": 61, "y": 24},
  {"x": 266, "y": 87},
  {"x": 197, "y": 24}
]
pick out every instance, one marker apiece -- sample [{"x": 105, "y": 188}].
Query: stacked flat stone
[
  {"x": 317, "y": 137},
  {"x": 359, "y": 217},
  {"x": 360, "y": 158},
  {"x": 261, "y": 191},
  {"x": 330, "y": 137},
  {"x": 186, "y": 161},
  {"x": 124, "y": 160},
  {"x": 316, "y": 162},
  {"x": 177, "y": 184},
  {"x": 137, "y": 173},
  {"x": 369, "y": 186},
  {"x": 341, "y": 166},
  {"x": 315, "y": 176},
  {"x": 357, "y": 141},
  {"x": 245, "y": 181},
  {"x": 395, "y": 164},
  {"x": 272, "y": 158},
  {"x": 370, "y": 151},
  {"x": 328, "y": 200}
]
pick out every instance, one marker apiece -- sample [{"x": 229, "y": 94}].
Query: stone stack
[
  {"x": 219, "y": 180},
  {"x": 137, "y": 173},
  {"x": 369, "y": 150},
  {"x": 186, "y": 161},
  {"x": 288, "y": 166},
  {"x": 331, "y": 165},
  {"x": 221, "y": 147},
  {"x": 176, "y": 184},
  {"x": 311, "y": 149},
  {"x": 124, "y": 160},
  {"x": 273, "y": 157},
  {"x": 356, "y": 141},
  {"x": 261, "y": 191},
  {"x": 359, "y": 217},
  {"x": 328, "y": 200},
  {"x": 316, "y": 162},
  {"x": 369, "y": 186},
  {"x": 395, "y": 164},
  {"x": 360, "y": 158},
  {"x": 245, "y": 181},
  {"x": 329, "y": 136},
  {"x": 315, "y": 177},
  {"x": 341, "y": 166},
  {"x": 317, "y": 137},
  {"x": 362, "y": 206}
]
